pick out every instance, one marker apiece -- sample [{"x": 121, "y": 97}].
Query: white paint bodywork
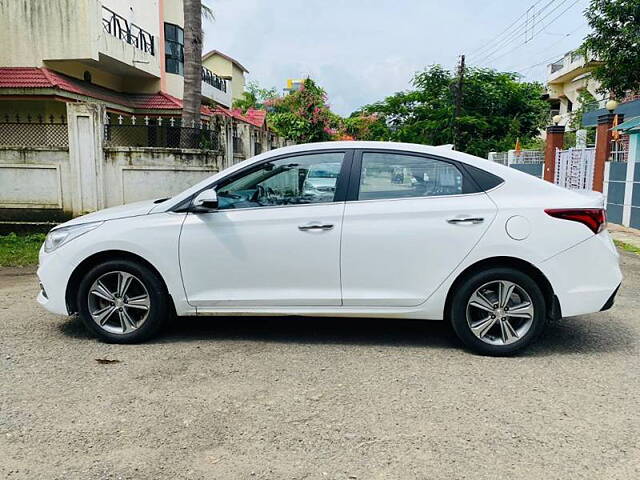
[{"x": 384, "y": 258}]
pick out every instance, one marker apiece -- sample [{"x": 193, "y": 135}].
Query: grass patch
[
  {"x": 627, "y": 247},
  {"x": 20, "y": 250}
]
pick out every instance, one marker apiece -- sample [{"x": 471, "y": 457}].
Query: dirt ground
[{"x": 293, "y": 398}]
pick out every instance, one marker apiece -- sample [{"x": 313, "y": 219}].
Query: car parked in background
[{"x": 354, "y": 229}]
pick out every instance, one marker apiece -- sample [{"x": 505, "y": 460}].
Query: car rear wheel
[
  {"x": 121, "y": 301},
  {"x": 498, "y": 311}
]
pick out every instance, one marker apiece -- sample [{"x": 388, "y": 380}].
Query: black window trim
[
  {"x": 167, "y": 54},
  {"x": 342, "y": 186},
  {"x": 356, "y": 173}
]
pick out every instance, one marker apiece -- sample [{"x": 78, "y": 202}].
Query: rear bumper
[
  {"x": 585, "y": 277},
  {"x": 611, "y": 300}
]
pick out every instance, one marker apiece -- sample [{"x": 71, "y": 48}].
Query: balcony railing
[
  {"x": 117, "y": 26},
  {"x": 214, "y": 80}
]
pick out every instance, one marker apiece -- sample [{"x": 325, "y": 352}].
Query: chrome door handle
[
  {"x": 315, "y": 226},
  {"x": 473, "y": 220}
]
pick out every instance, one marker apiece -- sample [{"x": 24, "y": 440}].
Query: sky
[{"x": 361, "y": 51}]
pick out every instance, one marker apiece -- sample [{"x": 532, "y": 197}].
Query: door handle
[
  {"x": 315, "y": 226},
  {"x": 472, "y": 220}
]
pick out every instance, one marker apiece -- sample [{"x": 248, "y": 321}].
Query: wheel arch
[
  {"x": 71, "y": 294},
  {"x": 551, "y": 300}
]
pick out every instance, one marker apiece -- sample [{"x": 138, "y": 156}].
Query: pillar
[
  {"x": 555, "y": 140},
  {"x": 603, "y": 147},
  {"x": 86, "y": 157}
]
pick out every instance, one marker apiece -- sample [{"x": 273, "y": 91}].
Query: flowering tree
[{"x": 303, "y": 115}]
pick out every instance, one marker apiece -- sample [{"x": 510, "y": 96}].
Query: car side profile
[{"x": 353, "y": 229}]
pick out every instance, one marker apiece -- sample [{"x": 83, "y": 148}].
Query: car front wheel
[
  {"x": 498, "y": 311},
  {"x": 122, "y": 301}
]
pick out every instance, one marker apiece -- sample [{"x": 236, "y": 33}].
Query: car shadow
[{"x": 586, "y": 335}]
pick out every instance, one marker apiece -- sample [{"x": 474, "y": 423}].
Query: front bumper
[{"x": 53, "y": 274}]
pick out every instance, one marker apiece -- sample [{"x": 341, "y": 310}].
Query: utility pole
[{"x": 458, "y": 100}]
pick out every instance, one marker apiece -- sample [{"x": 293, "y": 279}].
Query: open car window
[{"x": 296, "y": 180}]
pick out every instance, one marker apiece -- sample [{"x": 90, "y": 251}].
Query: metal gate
[{"x": 574, "y": 168}]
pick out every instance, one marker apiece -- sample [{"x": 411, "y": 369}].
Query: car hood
[{"x": 113, "y": 213}]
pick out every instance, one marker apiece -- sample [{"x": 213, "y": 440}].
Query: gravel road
[{"x": 280, "y": 398}]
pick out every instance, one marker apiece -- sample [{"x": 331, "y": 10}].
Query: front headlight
[{"x": 60, "y": 236}]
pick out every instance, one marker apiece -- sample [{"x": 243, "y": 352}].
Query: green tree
[
  {"x": 255, "y": 97},
  {"x": 615, "y": 40},
  {"x": 496, "y": 110}
]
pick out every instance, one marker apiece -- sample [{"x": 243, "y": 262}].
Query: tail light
[{"x": 595, "y": 219}]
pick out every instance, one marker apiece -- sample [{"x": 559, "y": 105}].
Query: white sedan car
[{"x": 409, "y": 231}]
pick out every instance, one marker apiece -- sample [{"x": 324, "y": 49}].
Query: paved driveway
[{"x": 305, "y": 398}]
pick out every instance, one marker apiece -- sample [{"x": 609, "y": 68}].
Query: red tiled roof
[
  {"x": 33, "y": 77},
  {"x": 253, "y": 116},
  {"x": 256, "y": 117},
  {"x": 21, "y": 77}
]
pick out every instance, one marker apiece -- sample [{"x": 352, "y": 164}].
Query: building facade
[
  {"x": 567, "y": 78},
  {"x": 90, "y": 107}
]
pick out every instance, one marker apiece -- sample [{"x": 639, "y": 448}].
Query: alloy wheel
[
  {"x": 500, "y": 312},
  {"x": 119, "y": 302}
]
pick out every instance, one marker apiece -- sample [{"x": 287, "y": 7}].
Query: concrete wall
[
  {"x": 35, "y": 183},
  {"x": 54, "y": 183},
  {"x": 622, "y": 191},
  {"x": 134, "y": 174}
]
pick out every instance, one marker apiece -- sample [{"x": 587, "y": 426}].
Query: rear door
[{"x": 409, "y": 222}]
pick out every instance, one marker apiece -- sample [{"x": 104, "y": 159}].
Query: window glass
[
  {"x": 174, "y": 49},
  {"x": 296, "y": 180},
  {"x": 392, "y": 175}
]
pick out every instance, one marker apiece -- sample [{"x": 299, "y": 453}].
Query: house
[
  {"x": 228, "y": 68},
  {"x": 91, "y": 101},
  {"x": 567, "y": 78},
  {"x": 131, "y": 51}
]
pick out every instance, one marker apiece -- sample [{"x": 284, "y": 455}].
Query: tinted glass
[
  {"x": 174, "y": 49},
  {"x": 303, "y": 179},
  {"x": 393, "y": 175}
]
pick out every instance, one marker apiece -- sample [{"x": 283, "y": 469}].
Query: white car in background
[{"x": 494, "y": 251}]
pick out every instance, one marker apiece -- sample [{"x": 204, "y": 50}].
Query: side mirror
[{"x": 206, "y": 200}]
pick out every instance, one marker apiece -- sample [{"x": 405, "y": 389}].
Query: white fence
[
  {"x": 574, "y": 168},
  {"x": 514, "y": 157}
]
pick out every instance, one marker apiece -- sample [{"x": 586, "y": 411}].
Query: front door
[
  {"x": 411, "y": 222},
  {"x": 274, "y": 239}
]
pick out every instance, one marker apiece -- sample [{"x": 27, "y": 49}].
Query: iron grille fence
[
  {"x": 130, "y": 33},
  {"x": 36, "y": 133},
  {"x": 164, "y": 136}
]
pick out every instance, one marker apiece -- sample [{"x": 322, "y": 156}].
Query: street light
[
  {"x": 556, "y": 119},
  {"x": 611, "y": 105}
]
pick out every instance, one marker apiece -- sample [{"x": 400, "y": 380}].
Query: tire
[
  {"x": 130, "y": 298},
  {"x": 517, "y": 321}
]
